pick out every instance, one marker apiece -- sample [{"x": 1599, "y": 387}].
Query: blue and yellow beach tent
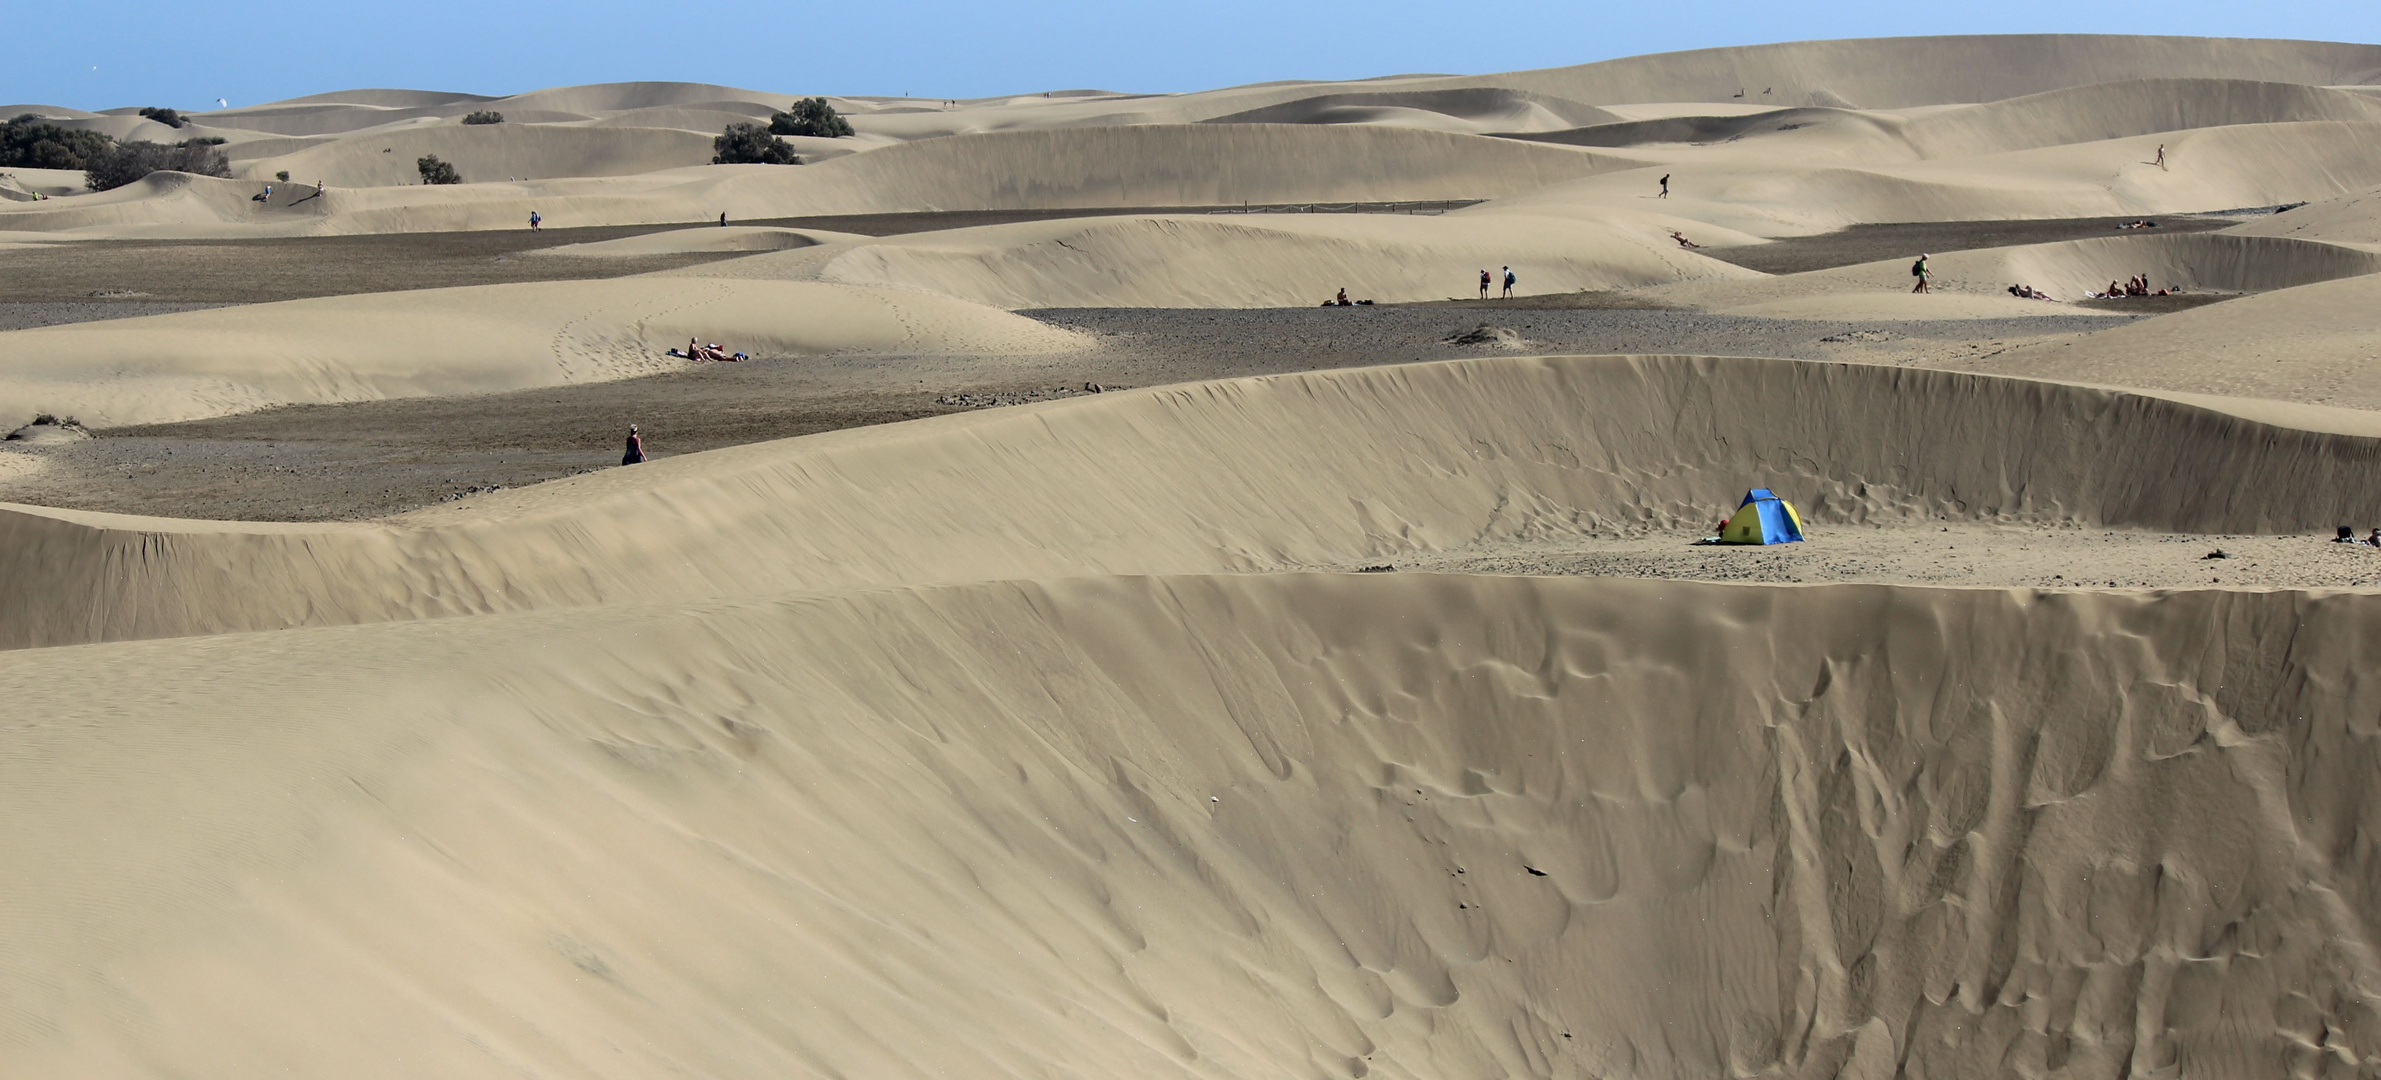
[{"x": 1762, "y": 518}]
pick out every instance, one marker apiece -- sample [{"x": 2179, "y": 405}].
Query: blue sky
[{"x": 130, "y": 52}]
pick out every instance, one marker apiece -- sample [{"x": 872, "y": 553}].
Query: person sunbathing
[
  {"x": 1682, "y": 239},
  {"x": 696, "y": 350}
]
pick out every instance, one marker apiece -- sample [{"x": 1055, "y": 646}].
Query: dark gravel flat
[{"x": 25, "y": 316}]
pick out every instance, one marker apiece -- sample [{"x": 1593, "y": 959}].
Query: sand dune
[
  {"x": 490, "y": 152},
  {"x": 2248, "y": 123},
  {"x": 614, "y": 97},
  {"x": 1900, "y": 72},
  {"x": 2210, "y": 169},
  {"x": 2317, "y": 344},
  {"x": 1253, "y": 260},
  {"x": 1189, "y": 165},
  {"x": 1210, "y": 825},
  {"x": 1207, "y": 823},
  {"x": 464, "y": 340},
  {"x": 1024, "y": 742},
  {"x": 1381, "y": 461},
  {"x": 2342, "y": 219},
  {"x": 1697, "y": 128},
  {"x": 2120, "y": 110},
  {"x": 1972, "y": 284},
  {"x": 1483, "y": 109}
]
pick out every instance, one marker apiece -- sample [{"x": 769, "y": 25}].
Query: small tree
[
  {"x": 282, "y": 176},
  {"x": 750, "y": 144},
  {"x": 29, "y": 142},
  {"x": 484, "y": 116},
  {"x": 168, "y": 117},
  {"x": 435, "y": 171},
  {"x": 130, "y": 161},
  {"x": 812, "y": 117}
]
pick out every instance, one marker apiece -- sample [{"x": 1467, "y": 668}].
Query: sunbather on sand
[{"x": 1682, "y": 239}]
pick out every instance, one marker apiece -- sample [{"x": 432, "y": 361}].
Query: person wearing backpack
[
  {"x": 1918, "y": 270},
  {"x": 1509, "y": 279}
]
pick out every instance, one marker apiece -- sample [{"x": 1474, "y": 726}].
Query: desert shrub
[
  {"x": 203, "y": 140},
  {"x": 810, "y": 116},
  {"x": 484, "y": 116},
  {"x": 750, "y": 144},
  {"x": 29, "y": 142},
  {"x": 435, "y": 171},
  {"x": 127, "y": 162},
  {"x": 168, "y": 117},
  {"x": 282, "y": 176}
]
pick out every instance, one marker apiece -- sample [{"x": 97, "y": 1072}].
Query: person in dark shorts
[
  {"x": 535, "y": 221},
  {"x": 1665, "y": 187},
  {"x": 636, "y": 448},
  {"x": 1509, "y": 280},
  {"x": 1919, "y": 270},
  {"x": 1483, "y": 283}
]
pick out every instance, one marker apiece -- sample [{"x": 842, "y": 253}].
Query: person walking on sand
[
  {"x": 1509, "y": 279},
  {"x": 2161, "y": 162},
  {"x": 1665, "y": 187},
  {"x": 1918, "y": 270},
  {"x": 636, "y": 448},
  {"x": 1483, "y": 283},
  {"x": 535, "y": 221}
]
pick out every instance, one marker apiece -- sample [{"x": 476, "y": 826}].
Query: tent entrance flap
[{"x": 1762, "y": 518}]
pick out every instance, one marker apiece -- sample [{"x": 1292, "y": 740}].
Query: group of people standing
[{"x": 1486, "y": 281}]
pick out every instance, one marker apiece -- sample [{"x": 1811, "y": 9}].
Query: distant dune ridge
[{"x": 1060, "y": 740}]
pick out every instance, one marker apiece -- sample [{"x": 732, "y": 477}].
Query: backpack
[{"x": 1918, "y": 269}]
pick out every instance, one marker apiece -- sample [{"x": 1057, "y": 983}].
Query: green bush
[
  {"x": 435, "y": 171},
  {"x": 127, "y": 162},
  {"x": 750, "y": 144},
  {"x": 203, "y": 140},
  {"x": 168, "y": 117},
  {"x": 812, "y": 117},
  {"x": 29, "y": 142},
  {"x": 484, "y": 116},
  {"x": 282, "y": 176}
]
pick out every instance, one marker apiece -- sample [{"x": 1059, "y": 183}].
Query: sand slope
[
  {"x": 1192, "y": 479},
  {"x": 1212, "y": 826},
  {"x": 1186, "y": 165},
  {"x": 2316, "y": 344},
  {"x": 1480, "y": 109},
  {"x": 2344, "y": 219},
  {"x": 2120, "y": 110},
  {"x": 465, "y": 340},
  {"x": 1209, "y": 824},
  {"x": 1973, "y": 284},
  {"x": 1252, "y": 260},
  {"x": 489, "y": 152},
  {"x": 1901, "y": 72}
]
